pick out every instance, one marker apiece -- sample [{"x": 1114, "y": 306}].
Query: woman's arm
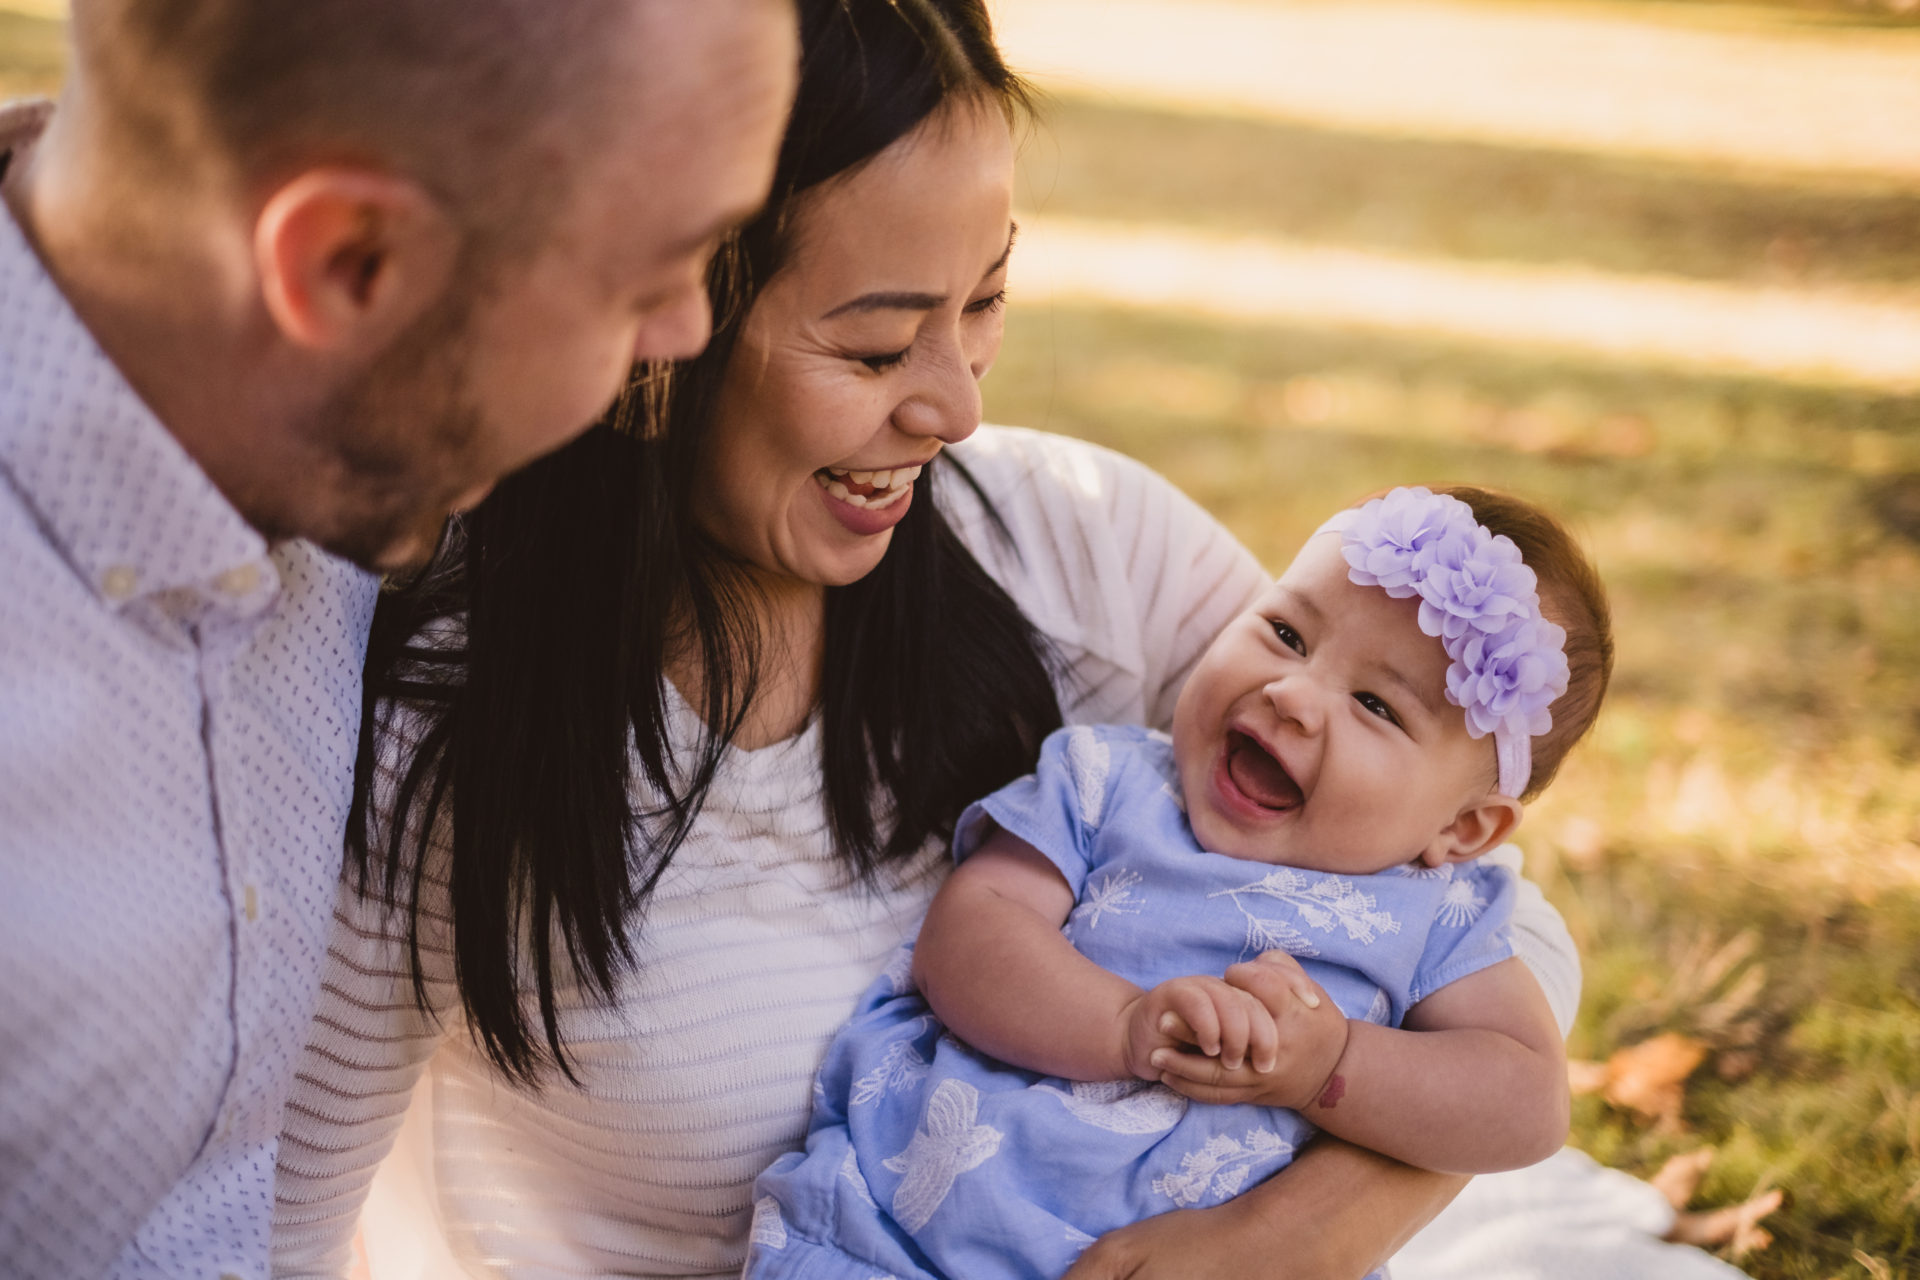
[{"x": 1336, "y": 1213}]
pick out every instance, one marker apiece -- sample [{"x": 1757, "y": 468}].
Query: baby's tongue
[{"x": 1259, "y": 776}]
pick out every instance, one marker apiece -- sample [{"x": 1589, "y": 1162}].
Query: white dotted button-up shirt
[{"x": 178, "y": 703}]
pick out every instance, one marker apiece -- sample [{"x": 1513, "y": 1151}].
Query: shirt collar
[{"x": 112, "y": 487}]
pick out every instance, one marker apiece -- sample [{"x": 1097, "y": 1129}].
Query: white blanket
[{"x": 1567, "y": 1218}]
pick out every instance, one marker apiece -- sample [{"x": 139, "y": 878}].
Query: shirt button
[
  {"x": 242, "y": 580},
  {"x": 119, "y": 582},
  {"x": 251, "y": 903}
]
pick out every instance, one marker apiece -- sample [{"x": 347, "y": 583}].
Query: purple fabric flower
[
  {"x": 1390, "y": 541},
  {"x": 1509, "y": 663},
  {"x": 1475, "y": 583},
  {"x": 1509, "y": 680}
]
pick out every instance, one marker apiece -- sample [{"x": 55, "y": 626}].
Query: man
[{"x": 280, "y": 286}]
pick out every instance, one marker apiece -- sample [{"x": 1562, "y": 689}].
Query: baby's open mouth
[
  {"x": 869, "y": 489},
  {"x": 1259, "y": 776}
]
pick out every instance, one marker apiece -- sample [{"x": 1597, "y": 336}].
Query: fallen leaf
[
  {"x": 1737, "y": 1228},
  {"x": 1649, "y": 1077},
  {"x": 1680, "y": 1177},
  {"x": 1876, "y": 1267},
  {"x": 1586, "y": 1077}
]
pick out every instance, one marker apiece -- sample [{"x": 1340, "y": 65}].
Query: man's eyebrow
[{"x": 908, "y": 301}]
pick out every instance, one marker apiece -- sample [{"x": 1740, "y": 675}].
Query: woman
[{"x": 696, "y": 707}]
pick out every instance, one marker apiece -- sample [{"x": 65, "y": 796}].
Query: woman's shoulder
[
  {"x": 1097, "y": 549},
  {"x": 1020, "y": 465}
]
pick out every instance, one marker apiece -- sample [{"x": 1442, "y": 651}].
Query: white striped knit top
[{"x": 753, "y": 948}]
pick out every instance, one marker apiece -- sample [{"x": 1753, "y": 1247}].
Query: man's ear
[
  {"x": 349, "y": 257},
  {"x": 1481, "y": 826}
]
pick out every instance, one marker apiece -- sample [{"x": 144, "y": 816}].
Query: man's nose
[{"x": 677, "y": 331}]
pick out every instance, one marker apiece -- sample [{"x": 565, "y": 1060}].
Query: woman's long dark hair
[{"x": 524, "y": 669}]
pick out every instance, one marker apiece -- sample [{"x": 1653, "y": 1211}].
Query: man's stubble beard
[{"x": 401, "y": 441}]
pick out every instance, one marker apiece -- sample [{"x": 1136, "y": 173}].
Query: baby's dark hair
[{"x": 1571, "y": 596}]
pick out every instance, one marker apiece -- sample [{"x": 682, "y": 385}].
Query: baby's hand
[
  {"x": 1310, "y": 1033},
  {"x": 1199, "y": 1016}
]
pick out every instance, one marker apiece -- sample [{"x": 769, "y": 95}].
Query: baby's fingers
[
  {"x": 1233, "y": 1009},
  {"x": 1197, "y": 1011},
  {"x": 1263, "y": 1037}
]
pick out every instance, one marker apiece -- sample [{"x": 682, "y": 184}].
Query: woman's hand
[{"x": 1309, "y": 1035}]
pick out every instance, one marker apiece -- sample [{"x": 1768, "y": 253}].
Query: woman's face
[{"x": 862, "y": 357}]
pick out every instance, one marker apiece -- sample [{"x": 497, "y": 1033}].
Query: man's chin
[{"x": 386, "y": 552}]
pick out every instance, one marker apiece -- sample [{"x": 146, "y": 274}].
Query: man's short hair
[{"x": 470, "y": 98}]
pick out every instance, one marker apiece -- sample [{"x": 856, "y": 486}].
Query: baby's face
[{"x": 1316, "y": 732}]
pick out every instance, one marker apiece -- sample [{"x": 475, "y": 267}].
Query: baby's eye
[
  {"x": 1288, "y": 636},
  {"x": 1375, "y": 705}
]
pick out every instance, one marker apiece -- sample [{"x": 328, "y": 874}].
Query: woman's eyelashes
[
  {"x": 886, "y": 360},
  {"x": 992, "y": 302}
]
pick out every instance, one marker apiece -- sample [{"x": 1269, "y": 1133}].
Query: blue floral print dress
[{"x": 927, "y": 1159}]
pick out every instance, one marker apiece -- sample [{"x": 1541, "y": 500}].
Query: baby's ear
[{"x": 1482, "y": 825}]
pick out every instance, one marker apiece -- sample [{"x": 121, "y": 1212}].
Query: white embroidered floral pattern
[
  {"x": 900, "y": 1066},
  {"x": 1089, "y": 758},
  {"x": 1220, "y": 1168},
  {"x": 947, "y": 1145},
  {"x": 1381, "y": 1010},
  {"x": 1421, "y": 871},
  {"x": 1111, "y": 892},
  {"x": 850, "y": 1170},
  {"x": 1321, "y": 902},
  {"x": 769, "y": 1228},
  {"x": 1461, "y": 906},
  {"x": 899, "y": 971},
  {"x": 1121, "y": 1106}
]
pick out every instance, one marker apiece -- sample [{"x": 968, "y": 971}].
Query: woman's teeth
[{"x": 869, "y": 489}]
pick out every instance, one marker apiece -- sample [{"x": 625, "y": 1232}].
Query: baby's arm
[
  {"x": 1475, "y": 1081},
  {"x": 993, "y": 965}
]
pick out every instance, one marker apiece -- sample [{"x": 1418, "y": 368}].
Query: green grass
[{"x": 1751, "y": 779}]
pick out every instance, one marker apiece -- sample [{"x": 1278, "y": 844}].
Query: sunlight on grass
[{"x": 1582, "y": 79}]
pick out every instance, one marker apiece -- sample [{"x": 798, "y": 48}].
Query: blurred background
[{"x": 1655, "y": 263}]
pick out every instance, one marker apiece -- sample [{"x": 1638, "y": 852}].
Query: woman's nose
[{"x": 946, "y": 400}]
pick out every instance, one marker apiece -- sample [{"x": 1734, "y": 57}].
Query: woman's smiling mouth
[{"x": 871, "y": 490}]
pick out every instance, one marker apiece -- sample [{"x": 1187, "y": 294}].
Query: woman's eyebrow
[
  {"x": 890, "y": 302},
  {"x": 908, "y": 301}
]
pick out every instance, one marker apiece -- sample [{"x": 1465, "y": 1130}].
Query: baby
[{"x": 1341, "y": 756}]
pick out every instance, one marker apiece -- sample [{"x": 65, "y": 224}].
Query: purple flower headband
[{"x": 1479, "y": 601}]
